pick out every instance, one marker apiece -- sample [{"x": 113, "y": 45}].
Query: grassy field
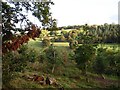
[{"x": 37, "y": 44}]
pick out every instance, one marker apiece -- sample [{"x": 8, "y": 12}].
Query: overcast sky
[
  {"x": 77, "y": 12},
  {"x": 73, "y": 12}
]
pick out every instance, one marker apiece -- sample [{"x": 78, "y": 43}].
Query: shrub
[
  {"x": 42, "y": 58},
  {"x": 31, "y": 55},
  {"x": 6, "y": 71},
  {"x": 99, "y": 66},
  {"x": 107, "y": 62},
  {"x": 84, "y": 55},
  {"x": 12, "y": 62},
  {"x": 22, "y": 49},
  {"x": 26, "y": 54},
  {"x": 16, "y": 62}
]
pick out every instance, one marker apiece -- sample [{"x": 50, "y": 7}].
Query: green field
[{"x": 37, "y": 44}]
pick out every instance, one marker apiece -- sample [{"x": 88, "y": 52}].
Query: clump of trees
[{"x": 106, "y": 33}]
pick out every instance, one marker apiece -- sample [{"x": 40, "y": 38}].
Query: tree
[
  {"x": 83, "y": 55},
  {"x": 53, "y": 57},
  {"x": 12, "y": 15}
]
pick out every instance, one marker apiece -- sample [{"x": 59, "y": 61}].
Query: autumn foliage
[{"x": 15, "y": 42}]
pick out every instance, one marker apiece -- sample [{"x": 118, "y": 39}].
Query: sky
[
  {"x": 79, "y": 12},
  {"x": 75, "y": 12}
]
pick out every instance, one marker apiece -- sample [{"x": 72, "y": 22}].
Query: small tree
[
  {"x": 83, "y": 55},
  {"x": 53, "y": 57}
]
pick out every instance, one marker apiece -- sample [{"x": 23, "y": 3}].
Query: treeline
[{"x": 107, "y": 33}]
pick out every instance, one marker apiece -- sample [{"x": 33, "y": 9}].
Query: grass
[
  {"x": 22, "y": 83},
  {"x": 37, "y": 44},
  {"x": 34, "y": 43},
  {"x": 70, "y": 77},
  {"x": 63, "y": 81},
  {"x": 73, "y": 79}
]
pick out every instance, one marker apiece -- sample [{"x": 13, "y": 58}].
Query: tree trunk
[
  {"x": 53, "y": 68},
  {"x": 54, "y": 63}
]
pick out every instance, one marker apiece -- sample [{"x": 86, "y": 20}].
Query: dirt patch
[{"x": 105, "y": 82}]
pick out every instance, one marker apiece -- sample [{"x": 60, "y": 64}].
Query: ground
[{"x": 70, "y": 79}]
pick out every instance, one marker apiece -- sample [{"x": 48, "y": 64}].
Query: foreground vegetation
[
  {"x": 102, "y": 71},
  {"x": 73, "y": 59}
]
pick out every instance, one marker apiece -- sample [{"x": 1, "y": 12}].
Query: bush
[
  {"x": 6, "y": 71},
  {"x": 22, "y": 49},
  {"x": 99, "y": 66},
  {"x": 12, "y": 62},
  {"x": 46, "y": 42},
  {"x": 26, "y": 54},
  {"x": 16, "y": 61},
  {"x": 31, "y": 55},
  {"x": 84, "y": 55},
  {"x": 107, "y": 62},
  {"x": 42, "y": 58}
]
